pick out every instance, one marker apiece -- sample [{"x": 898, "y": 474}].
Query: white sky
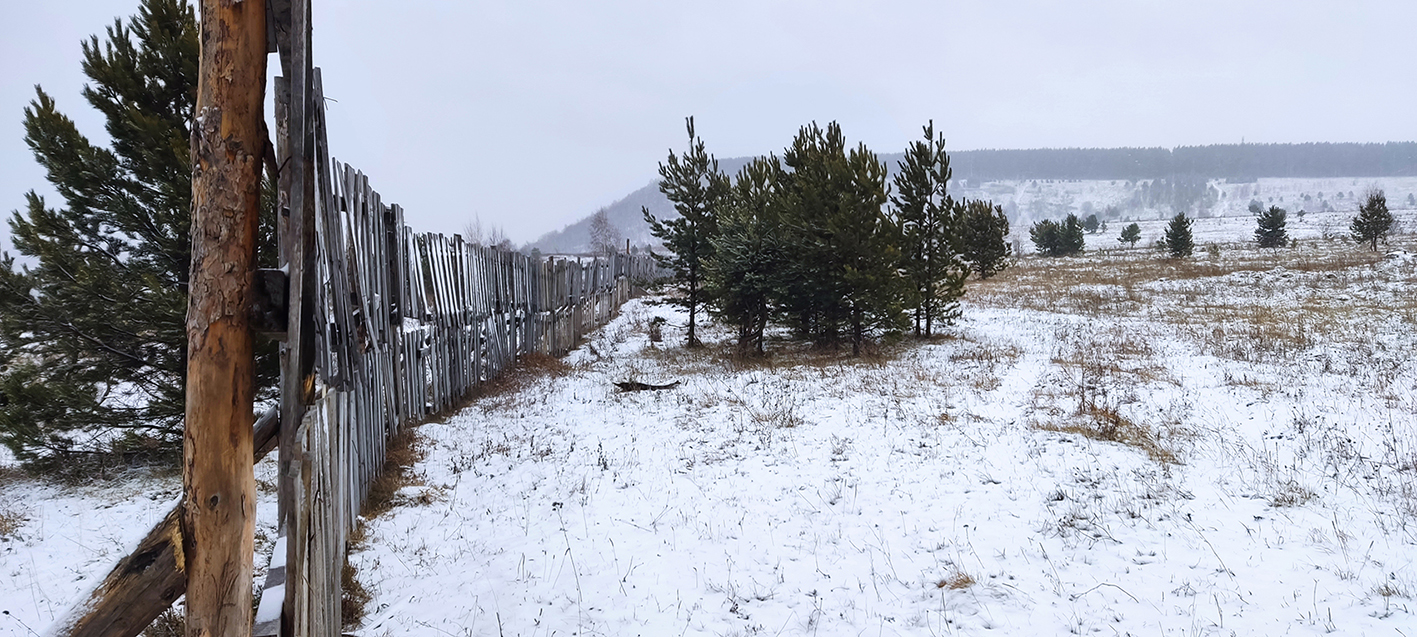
[{"x": 532, "y": 113}]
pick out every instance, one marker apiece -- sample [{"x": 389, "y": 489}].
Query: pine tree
[
  {"x": 873, "y": 291},
  {"x": 982, "y": 236},
  {"x": 1178, "y": 237},
  {"x": 749, "y": 257},
  {"x": 1091, "y": 224},
  {"x": 843, "y": 254},
  {"x": 696, "y": 187},
  {"x": 1055, "y": 239},
  {"x": 1269, "y": 230},
  {"x": 928, "y": 219},
  {"x": 1071, "y": 236},
  {"x": 1130, "y": 235},
  {"x": 94, "y": 331},
  {"x": 1373, "y": 221},
  {"x": 1047, "y": 238}
]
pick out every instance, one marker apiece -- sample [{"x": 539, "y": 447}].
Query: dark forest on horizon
[{"x": 1233, "y": 162}]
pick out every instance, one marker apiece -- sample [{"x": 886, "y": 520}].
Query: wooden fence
[
  {"x": 406, "y": 324},
  {"x": 382, "y": 327}
]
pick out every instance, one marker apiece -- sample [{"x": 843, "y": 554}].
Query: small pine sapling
[{"x": 1178, "y": 237}]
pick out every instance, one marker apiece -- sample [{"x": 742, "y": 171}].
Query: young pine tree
[
  {"x": 1070, "y": 236},
  {"x": 929, "y": 225},
  {"x": 696, "y": 187},
  {"x": 1047, "y": 238},
  {"x": 745, "y": 274},
  {"x": 1058, "y": 239},
  {"x": 1130, "y": 235},
  {"x": 1178, "y": 240},
  {"x": 842, "y": 251},
  {"x": 1269, "y": 228},
  {"x": 1373, "y": 221},
  {"x": 94, "y": 329},
  {"x": 983, "y": 228},
  {"x": 869, "y": 241}
]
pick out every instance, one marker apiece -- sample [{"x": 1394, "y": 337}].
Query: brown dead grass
[
  {"x": 404, "y": 450},
  {"x": 958, "y": 580},
  {"x": 1109, "y": 282},
  {"x": 10, "y": 522},
  {"x": 504, "y": 390},
  {"x": 170, "y": 623},
  {"x": 354, "y": 598},
  {"x": 1107, "y": 425}
]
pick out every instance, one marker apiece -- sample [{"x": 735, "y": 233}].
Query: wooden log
[
  {"x": 149, "y": 579},
  {"x": 219, "y": 486}
]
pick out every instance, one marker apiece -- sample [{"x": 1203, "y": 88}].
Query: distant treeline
[{"x": 1234, "y": 162}]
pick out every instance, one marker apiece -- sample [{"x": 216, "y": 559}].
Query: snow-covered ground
[
  {"x": 1328, "y": 205},
  {"x": 67, "y": 538},
  {"x": 1112, "y": 444}
]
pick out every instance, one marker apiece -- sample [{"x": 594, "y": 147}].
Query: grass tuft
[
  {"x": 354, "y": 597},
  {"x": 956, "y": 581},
  {"x": 1107, "y": 425},
  {"x": 171, "y": 623}
]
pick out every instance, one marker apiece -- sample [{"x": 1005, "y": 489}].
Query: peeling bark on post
[{"x": 219, "y": 490}]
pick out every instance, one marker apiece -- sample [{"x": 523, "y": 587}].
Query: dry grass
[
  {"x": 956, "y": 581},
  {"x": 1105, "y": 424},
  {"x": 504, "y": 390},
  {"x": 1291, "y": 494},
  {"x": 171, "y": 623},
  {"x": 1116, "y": 282},
  {"x": 10, "y": 522},
  {"x": 353, "y": 597},
  {"x": 404, "y": 450}
]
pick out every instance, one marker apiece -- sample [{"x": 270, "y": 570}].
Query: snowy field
[
  {"x": 1328, "y": 204},
  {"x": 1112, "y": 444}
]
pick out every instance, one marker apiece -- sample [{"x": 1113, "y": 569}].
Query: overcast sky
[{"x": 532, "y": 114}]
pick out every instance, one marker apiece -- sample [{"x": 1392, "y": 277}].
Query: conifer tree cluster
[
  {"x": 1058, "y": 239},
  {"x": 93, "y": 329},
  {"x": 814, "y": 241}
]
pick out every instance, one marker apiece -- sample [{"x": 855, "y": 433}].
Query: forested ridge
[{"x": 1234, "y": 162}]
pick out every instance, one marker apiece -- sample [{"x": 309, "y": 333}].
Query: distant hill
[{"x": 1232, "y": 163}]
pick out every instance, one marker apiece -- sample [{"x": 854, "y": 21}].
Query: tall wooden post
[{"x": 219, "y": 488}]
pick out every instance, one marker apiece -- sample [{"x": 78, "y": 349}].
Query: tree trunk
[{"x": 219, "y": 488}]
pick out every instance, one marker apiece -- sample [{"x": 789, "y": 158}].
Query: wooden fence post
[{"x": 219, "y": 485}]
